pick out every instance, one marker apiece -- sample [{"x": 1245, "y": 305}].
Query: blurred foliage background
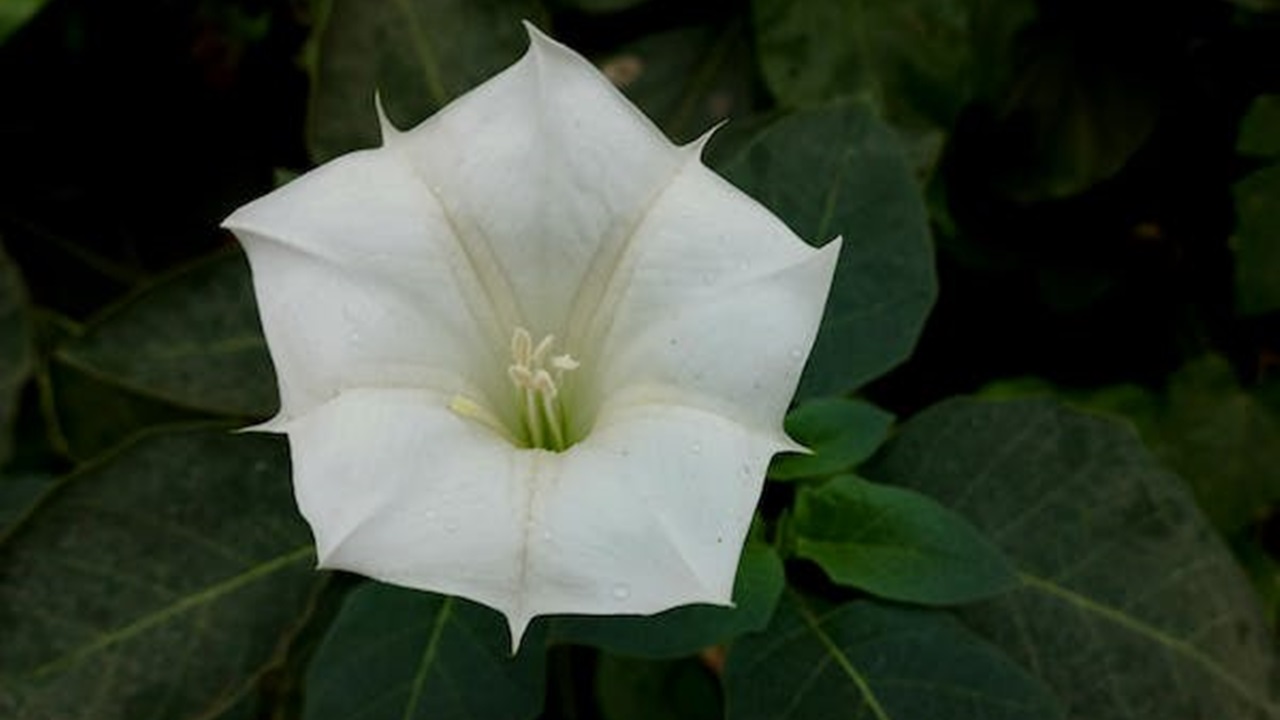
[{"x": 1102, "y": 183}]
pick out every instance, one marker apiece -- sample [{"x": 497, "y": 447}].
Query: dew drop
[
  {"x": 429, "y": 515},
  {"x": 621, "y": 592},
  {"x": 451, "y": 527},
  {"x": 546, "y": 534},
  {"x": 697, "y": 448},
  {"x": 797, "y": 354},
  {"x": 706, "y": 278}
]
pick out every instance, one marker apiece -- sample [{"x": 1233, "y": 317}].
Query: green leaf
[
  {"x": 688, "y": 79},
  {"x": 632, "y": 689},
  {"x": 16, "y": 13},
  {"x": 866, "y": 660},
  {"x": 404, "y": 654},
  {"x": 1131, "y": 608},
  {"x": 16, "y": 360},
  {"x": 685, "y": 630},
  {"x": 1224, "y": 439},
  {"x": 838, "y": 170},
  {"x": 19, "y": 493},
  {"x": 159, "y": 582},
  {"x": 603, "y": 6},
  {"x": 897, "y": 544},
  {"x": 92, "y": 415},
  {"x": 840, "y": 432},
  {"x": 1257, "y": 242},
  {"x": 1260, "y": 128},
  {"x": 192, "y": 340},
  {"x": 918, "y": 62},
  {"x": 418, "y": 55}
]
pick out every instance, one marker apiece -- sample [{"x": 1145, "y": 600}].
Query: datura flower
[{"x": 530, "y": 352}]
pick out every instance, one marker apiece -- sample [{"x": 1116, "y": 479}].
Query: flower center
[{"x": 537, "y": 376}]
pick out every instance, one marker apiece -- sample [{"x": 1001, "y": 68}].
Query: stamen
[
  {"x": 537, "y": 376},
  {"x": 472, "y": 410},
  {"x": 537, "y": 380}
]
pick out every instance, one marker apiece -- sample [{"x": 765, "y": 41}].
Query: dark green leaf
[
  {"x": 839, "y": 171},
  {"x": 18, "y": 494},
  {"x": 15, "y": 13},
  {"x": 918, "y": 62},
  {"x": 93, "y": 415},
  {"x": 632, "y": 689},
  {"x": 418, "y": 55},
  {"x": 840, "y": 432},
  {"x": 685, "y": 630},
  {"x": 157, "y": 583},
  {"x": 1223, "y": 439},
  {"x": 1260, "y": 129},
  {"x": 865, "y": 660},
  {"x": 688, "y": 79},
  {"x": 15, "y": 348},
  {"x": 404, "y": 654},
  {"x": 1257, "y": 242},
  {"x": 192, "y": 340},
  {"x": 896, "y": 543},
  {"x": 1131, "y": 608},
  {"x": 603, "y": 6}
]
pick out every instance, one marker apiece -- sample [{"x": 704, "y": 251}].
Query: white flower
[{"x": 530, "y": 352}]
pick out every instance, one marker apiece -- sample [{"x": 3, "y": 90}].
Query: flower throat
[{"x": 537, "y": 377}]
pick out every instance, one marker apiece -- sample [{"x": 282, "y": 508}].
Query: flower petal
[
  {"x": 634, "y": 520},
  {"x": 398, "y": 488},
  {"x": 716, "y": 305},
  {"x": 546, "y": 168},
  {"x": 639, "y": 519},
  {"x": 361, "y": 282}
]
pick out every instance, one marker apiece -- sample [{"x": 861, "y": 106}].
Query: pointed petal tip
[
  {"x": 274, "y": 425},
  {"x": 517, "y": 625},
  {"x": 698, "y": 144},
  {"x": 535, "y": 34},
  {"x": 387, "y": 128}
]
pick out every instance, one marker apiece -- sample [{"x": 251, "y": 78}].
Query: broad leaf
[
  {"x": 918, "y": 62},
  {"x": 896, "y": 543},
  {"x": 838, "y": 170},
  {"x": 685, "y": 630},
  {"x": 165, "y": 579},
  {"x": 1260, "y": 128},
  {"x": 1224, "y": 439},
  {"x": 192, "y": 340},
  {"x": 1257, "y": 242},
  {"x": 632, "y": 689},
  {"x": 840, "y": 432},
  {"x": 93, "y": 415},
  {"x": 16, "y": 13},
  {"x": 409, "y": 655},
  {"x": 865, "y": 660},
  {"x": 1130, "y": 606},
  {"x": 603, "y": 6},
  {"x": 19, "y": 493},
  {"x": 15, "y": 348},
  {"x": 418, "y": 55}
]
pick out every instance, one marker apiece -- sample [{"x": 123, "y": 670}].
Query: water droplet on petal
[
  {"x": 621, "y": 592},
  {"x": 697, "y": 448},
  {"x": 546, "y": 534},
  {"x": 429, "y": 515},
  {"x": 797, "y": 353},
  {"x": 451, "y": 527}
]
